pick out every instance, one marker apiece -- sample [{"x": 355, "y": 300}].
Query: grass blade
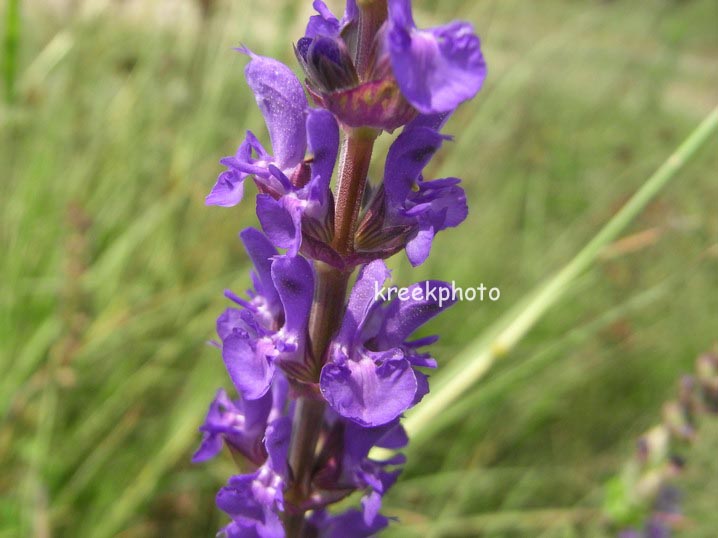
[{"x": 11, "y": 47}]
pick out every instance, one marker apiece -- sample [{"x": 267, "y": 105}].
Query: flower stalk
[
  {"x": 327, "y": 310},
  {"x": 353, "y": 170}
]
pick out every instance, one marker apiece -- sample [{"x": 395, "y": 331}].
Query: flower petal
[
  {"x": 261, "y": 251},
  {"x": 228, "y": 320},
  {"x": 434, "y": 121},
  {"x": 210, "y": 446},
  {"x": 371, "y": 504},
  {"x": 251, "y": 517},
  {"x": 276, "y": 440},
  {"x": 281, "y": 226},
  {"x": 437, "y": 69},
  {"x": 280, "y": 97},
  {"x": 237, "y": 500},
  {"x": 408, "y": 155},
  {"x": 323, "y": 137},
  {"x": 251, "y": 370},
  {"x": 349, "y": 524},
  {"x": 294, "y": 280},
  {"x": 368, "y": 394},
  {"x": 419, "y": 246},
  {"x": 228, "y": 190},
  {"x": 370, "y": 281},
  {"x": 324, "y": 23},
  {"x": 359, "y": 440}
]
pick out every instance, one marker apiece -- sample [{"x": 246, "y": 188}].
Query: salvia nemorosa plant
[
  {"x": 324, "y": 374},
  {"x": 644, "y": 498}
]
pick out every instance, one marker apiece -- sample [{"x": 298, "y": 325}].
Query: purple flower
[
  {"x": 438, "y": 68},
  {"x": 407, "y": 212},
  {"x": 371, "y": 70},
  {"x": 270, "y": 330},
  {"x": 281, "y": 99},
  {"x": 309, "y": 201},
  {"x": 294, "y": 180},
  {"x": 254, "y": 500},
  {"x": 346, "y": 467},
  {"x": 363, "y": 472},
  {"x": 371, "y": 375},
  {"x": 240, "y": 423}
]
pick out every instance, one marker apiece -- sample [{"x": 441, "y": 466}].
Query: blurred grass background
[{"x": 114, "y": 117}]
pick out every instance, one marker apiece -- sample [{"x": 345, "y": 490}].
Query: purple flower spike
[
  {"x": 371, "y": 70},
  {"x": 437, "y": 69},
  {"x": 371, "y": 377}
]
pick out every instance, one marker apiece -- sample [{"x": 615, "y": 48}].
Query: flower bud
[
  {"x": 349, "y": 72},
  {"x": 327, "y": 64}
]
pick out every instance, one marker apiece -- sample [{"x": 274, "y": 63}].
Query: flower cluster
[
  {"x": 643, "y": 499},
  {"x": 323, "y": 376}
]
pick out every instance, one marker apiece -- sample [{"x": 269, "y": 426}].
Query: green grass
[{"x": 112, "y": 267}]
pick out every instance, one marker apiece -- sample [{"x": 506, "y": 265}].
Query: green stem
[
  {"x": 473, "y": 363},
  {"x": 11, "y": 46}
]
